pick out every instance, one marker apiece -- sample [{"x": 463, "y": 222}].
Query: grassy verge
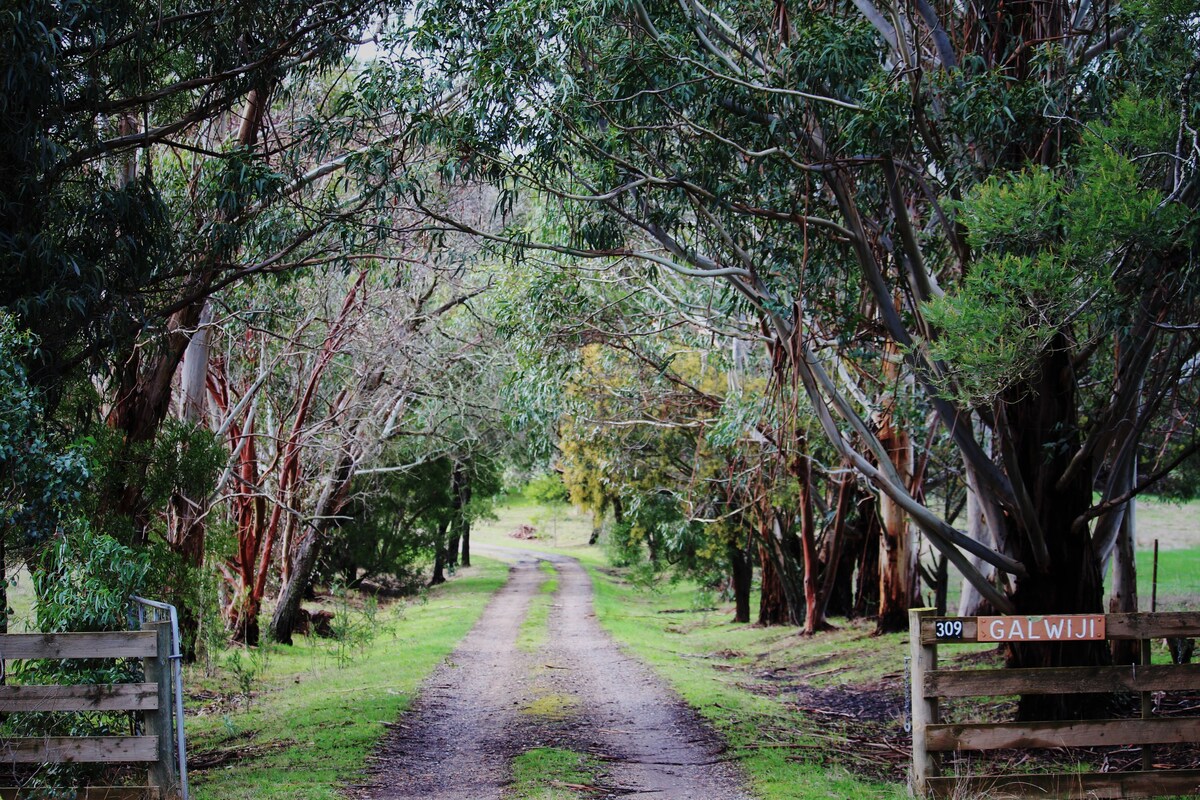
[
  {"x": 549, "y": 773},
  {"x": 710, "y": 663},
  {"x": 314, "y": 717},
  {"x": 534, "y": 628}
]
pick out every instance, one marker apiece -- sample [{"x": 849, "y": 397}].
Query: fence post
[
  {"x": 1146, "y": 655},
  {"x": 924, "y": 711},
  {"x": 158, "y": 723}
]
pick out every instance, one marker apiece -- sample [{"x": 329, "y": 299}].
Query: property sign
[{"x": 1068, "y": 628}]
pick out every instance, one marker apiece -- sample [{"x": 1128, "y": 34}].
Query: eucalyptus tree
[
  {"x": 309, "y": 381},
  {"x": 156, "y": 153},
  {"x": 102, "y": 101},
  {"x": 995, "y": 203},
  {"x": 668, "y": 419}
]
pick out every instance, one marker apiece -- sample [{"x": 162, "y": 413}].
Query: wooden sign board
[{"x": 1066, "y": 628}]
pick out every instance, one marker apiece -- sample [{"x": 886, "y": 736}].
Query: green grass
[
  {"x": 708, "y": 661},
  {"x": 20, "y": 600},
  {"x": 549, "y": 773},
  {"x": 1178, "y": 579},
  {"x": 551, "y": 706},
  {"x": 535, "y": 627},
  {"x": 311, "y": 723},
  {"x": 562, "y": 530}
]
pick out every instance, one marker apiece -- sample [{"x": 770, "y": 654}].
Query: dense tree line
[
  {"x": 851, "y": 293},
  {"x": 217, "y": 308},
  {"x": 973, "y": 224}
]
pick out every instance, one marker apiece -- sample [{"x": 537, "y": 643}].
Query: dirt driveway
[{"x": 492, "y": 701}]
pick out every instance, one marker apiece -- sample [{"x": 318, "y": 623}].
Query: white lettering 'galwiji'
[{"x": 1071, "y": 628}]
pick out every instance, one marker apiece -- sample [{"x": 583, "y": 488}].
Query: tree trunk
[
  {"x": 772, "y": 603},
  {"x": 1124, "y": 597},
  {"x": 597, "y": 525},
  {"x": 742, "y": 574},
  {"x": 186, "y": 515},
  {"x": 291, "y": 594},
  {"x": 330, "y": 502},
  {"x": 3, "y": 584},
  {"x": 439, "y": 559},
  {"x": 245, "y": 625},
  {"x": 814, "y": 618},
  {"x": 1118, "y": 546},
  {"x": 1039, "y": 421},
  {"x": 143, "y": 385},
  {"x": 466, "y": 544},
  {"x": 867, "y": 602},
  {"x": 786, "y": 552},
  {"x": 982, "y": 517},
  {"x": 896, "y": 556},
  {"x": 897, "y": 562},
  {"x": 460, "y": 488},
  {"x": 836, "y": 579},
  {"x": 249, "y": 511},
  {"x": 941, "y": 584}
]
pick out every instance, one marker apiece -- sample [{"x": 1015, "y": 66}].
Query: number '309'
[{"x": 948, "y": 629}]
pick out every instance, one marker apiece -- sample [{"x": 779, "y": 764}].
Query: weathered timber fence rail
[
  {"x": 930, "y": 737},
  {"x": 152, "y": 698}
]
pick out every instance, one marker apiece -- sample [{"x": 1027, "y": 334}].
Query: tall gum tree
[
  {"x": 155, "y": 154},
  {"x": 835, "y": 167}
]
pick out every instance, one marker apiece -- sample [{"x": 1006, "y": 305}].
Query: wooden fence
[
  {"x": 155, "y": 747},
  {"x": 929, "y": 684}
]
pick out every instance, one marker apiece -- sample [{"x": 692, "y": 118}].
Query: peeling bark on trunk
[
  {"x": 814, "y": 618},
  {"x": 897, "y": 561}
]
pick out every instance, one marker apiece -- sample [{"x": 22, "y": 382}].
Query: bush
[
  {"x": 83, "y": 582},
  {"x": 547, "y": 489}
]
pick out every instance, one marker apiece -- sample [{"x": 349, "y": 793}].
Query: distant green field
[
  {"x": 1175, "y": 525},
  {"x": 1178, "y": 579}
]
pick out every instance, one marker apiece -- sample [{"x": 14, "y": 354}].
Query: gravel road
[{"x": 492, "y": 701}]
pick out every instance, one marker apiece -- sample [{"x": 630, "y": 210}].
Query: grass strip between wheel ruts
[
  {"x": 551, "y": 773},
  {"x": 535, "y": 628}
]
